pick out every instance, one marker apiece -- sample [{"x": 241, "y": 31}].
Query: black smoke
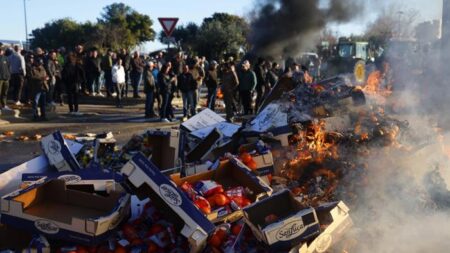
[{"x": 284, "y": 27}]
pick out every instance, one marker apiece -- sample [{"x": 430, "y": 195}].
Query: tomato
[
  {"x": 252, "y": 164},
  {"x": 205, "y": 210},
  {"x": 215, "y": 241},
  {"x": 155, "y": 229},
  {"x": 221, "y": 200},
  {"x": 120, "y": 249},
  {"x": 270, "y": 178},
  {"x": 136, "y": 241},
  {"x": 271, "y": 218},
  {"x": 129, "y": 232},
  {"x": 246, "y": 157},
  {"x": 152, "y": 248},
  {"x": 222, "y": 234},
  {"x": 81, "y": 249},
  {"x": 212, "y": 201},
  {"x": 245, "y": 202},
  {"x": 236, "y": 229}
]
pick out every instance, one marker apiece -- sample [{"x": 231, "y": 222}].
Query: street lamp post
[{"x": 26, "y": 22}]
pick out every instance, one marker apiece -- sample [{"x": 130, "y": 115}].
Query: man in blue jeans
[
  {"x": 187, "y": 86},
  {"x": 39, "y": 89}
]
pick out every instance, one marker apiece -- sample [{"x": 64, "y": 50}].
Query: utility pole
[{"x": 26, "y": 22}]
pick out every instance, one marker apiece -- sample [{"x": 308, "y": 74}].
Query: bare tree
[{"x": 394, "y": 21}]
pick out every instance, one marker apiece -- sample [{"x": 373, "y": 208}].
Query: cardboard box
[
  {"x": 204, "y": 147},
  {"x": 165, "y": 146},
  {"x": 263, "y": 158},
  {"x": 227, "y": 130},
  {"x": 145, "y": 180},
  {"x": 231, "y": 173},
  {"x": 91, "y": 180},
  {"x": 205, "y": 118},
  {"x": 48, "y": 207},
  {"x": 337, "y": 219},
  {"x": 58, "y": 153},
  {"x": 12, "y": 179},
  {"x": 291, "y": 225}
]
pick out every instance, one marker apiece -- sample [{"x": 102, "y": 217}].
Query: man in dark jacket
[
  {"x": 137, "y": 67},
  {"x": 72, "y": 76},
  {"x": 187, "y": 85},
  {"x": 260, "y": 72},
  {"x": 149, "y": 90},
  {"x": 54, "y": 75},
  {"x": 212, "y": 81},
  {"x": 93, "y": 71},
  {"x": 126, "y": 61},
  {"x": 107, "y": 64},
  {"x": 39, "y": 89},
  {"x": 230, "y": 82},
  {"x": 5, "y": 74},
  {"x": 247, "y": 84}
]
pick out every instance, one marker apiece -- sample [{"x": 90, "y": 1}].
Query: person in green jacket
[{"x": 247, "y": 84}]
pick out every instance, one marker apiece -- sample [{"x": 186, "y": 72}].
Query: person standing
[
  {"x": 54, "y": 75},
  {"x": 39, "y": 89},
  {"x": 199, "y": 74},
  {"x": 186, "y": 85},
  {"x": 212, "y": 81},
  {"x": 118, "y": 79},
  {"x": 18, "y": 72},
  {"x": 93, "y": 71},
  {"x": 137, "y": 67},
  {"x": 230, "y": 82},
  {"x": 260, "y": 72},
  {"x": 5, "y": 75},
  {"x": 126, "y": 59},
  {"x": 106, "y": 65},
  {"x": 81, "y": 58},
  {"x": 165, "y": 82},
  {"x": 72, "y": 76},
  {"x": 247, "y": 84},
  {"x": 149, "y": 90}
]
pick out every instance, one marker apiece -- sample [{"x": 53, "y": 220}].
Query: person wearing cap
[
  {"x": 212, "y": 82},
  {"x": 247, "y": 84},
  {"x": 5, "y": 74},
  {"x": 39, "y": 88}
]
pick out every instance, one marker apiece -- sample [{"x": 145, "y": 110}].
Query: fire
[
  {"x": 374, "y": 84},
  {"x": 313, "y": 144}
]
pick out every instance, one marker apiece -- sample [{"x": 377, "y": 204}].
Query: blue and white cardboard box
[
  {"x": 144, "y": 179},
  {"x": 58, "y": 153},
  {"x": 292, "y": 224},
  {"x": 272, "y": 120},
  {"x": 99, "y": 180},
  {"x": 338, "y": 214},
  {"x": 12, "y": 179},
  {"x": 48, "y": 207},
  {"x": 205, "y": 118}
]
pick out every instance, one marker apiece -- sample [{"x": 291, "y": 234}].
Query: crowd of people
[{"x": 44, "y": 78}]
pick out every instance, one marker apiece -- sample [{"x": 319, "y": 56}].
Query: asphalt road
[{"x": 99, "y": 115}]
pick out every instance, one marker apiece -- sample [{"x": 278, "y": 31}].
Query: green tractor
[{"x": 350, "y": 57}]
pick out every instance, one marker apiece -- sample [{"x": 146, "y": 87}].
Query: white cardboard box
[
  {"x": 293, "y": 224},
  {"x": 144, "y": 179},
  {"x": 338, "y": 213},
  {"x": 50, "y": 208},
  {"x": 58, "y": 153}
]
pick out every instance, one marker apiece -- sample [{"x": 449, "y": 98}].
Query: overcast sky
[{"x": 42, "y": 11}]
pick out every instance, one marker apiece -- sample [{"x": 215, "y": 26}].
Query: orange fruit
[
  {"x": 236, "y": 229},
  {"x": 246, "y": 157},
  {"x": 221, "y": 200}
]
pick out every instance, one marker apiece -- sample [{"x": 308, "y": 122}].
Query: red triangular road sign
[{"x": 168, "y": 25}]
